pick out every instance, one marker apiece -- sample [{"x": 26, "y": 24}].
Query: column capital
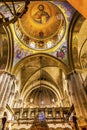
[{"x": 70, "y": 73}]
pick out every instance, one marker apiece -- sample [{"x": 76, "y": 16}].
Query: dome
[
  {"x": 43, "y": 28},
  {"x": 42, "y": 96}
]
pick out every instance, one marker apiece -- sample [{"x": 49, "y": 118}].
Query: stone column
[
  {"x": 11, "y": 98},
  {"x": 36, "y": 112},
  {"x": 5, "y": 84},
  {"x": 2, "y": 78},
  {"x": 78, "y": 97},
  {"x": 61, "y": 112},
  {"x": 9, "y": 86},
  {"x": 46, "y": 112},
  {"x": 12, "y": 93},
  {"x": 29, "y": 112},
  {"x": 3, "y": 81},
  {"x": 21, "y": 113},
  {"x": 53, "y": 112}
]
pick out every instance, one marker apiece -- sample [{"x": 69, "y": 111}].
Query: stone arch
[
  {"x": 36, "y": 68},
  {"x": 73, "y": 47}
]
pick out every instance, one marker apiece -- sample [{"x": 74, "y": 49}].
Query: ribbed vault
[
  {"x": 41, "y": 74},
  {"x": 42, "y": 96}
]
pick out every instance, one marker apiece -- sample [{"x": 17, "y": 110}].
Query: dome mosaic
[{"x": 42, "y": 27}]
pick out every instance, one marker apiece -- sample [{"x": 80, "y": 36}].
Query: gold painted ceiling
[
  {"x": 28, "y": 41},
  {"x": 38, "y": 31}
]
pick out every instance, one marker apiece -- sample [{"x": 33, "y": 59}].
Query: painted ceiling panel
[{"x": 56, "y": 45}]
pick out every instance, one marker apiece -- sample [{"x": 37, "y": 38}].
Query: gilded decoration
[
  {"x": 38, "y": 31},
  {"x": 58, "y": 49}
]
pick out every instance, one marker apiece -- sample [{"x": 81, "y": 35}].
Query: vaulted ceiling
[{"x": 41, "y": 72}]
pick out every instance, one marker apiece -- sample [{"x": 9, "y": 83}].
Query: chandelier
[{"x": 15, "y": 14}]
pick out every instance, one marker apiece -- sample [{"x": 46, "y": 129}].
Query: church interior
[{"x": 43, "y": 65}]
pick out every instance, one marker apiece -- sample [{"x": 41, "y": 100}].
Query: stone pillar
[
  {"x": 12, "y": 93},
  {"x": 11, "y": 98},
  {"x": 36, "y": 112},
  {"x": 5, "y": 85},
  {"x": 46, "y": 112},
  {"x": 21, "y": 113},
  {"x": 29, "y": 112},
  {"x": 9, "y": 86},
  {"x": 78, "y": 98},
  {"x": 53, "y": 112},
  {"x": 3, "y": 78},
  {"x": 61, "y": 112}
]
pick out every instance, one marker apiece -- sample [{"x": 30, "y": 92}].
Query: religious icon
[
  {"x": 61, "y": 52},
  {"x": 41, "y": 16}
]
